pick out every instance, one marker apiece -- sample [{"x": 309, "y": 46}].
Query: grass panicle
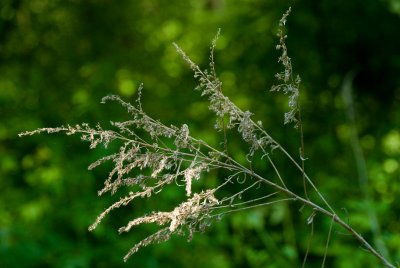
[{"x": 153, "y": 156}]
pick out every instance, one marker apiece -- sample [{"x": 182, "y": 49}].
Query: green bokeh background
[{"x": 58, "y": 58}]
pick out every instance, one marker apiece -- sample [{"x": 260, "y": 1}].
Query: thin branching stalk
[
  {"x": 327, "y": 244},
  {"x": 311, "y": 223},
  {"x": 154, "y": 156}
]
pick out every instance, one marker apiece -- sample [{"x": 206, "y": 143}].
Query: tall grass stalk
[{"x": 153, "y": 156}]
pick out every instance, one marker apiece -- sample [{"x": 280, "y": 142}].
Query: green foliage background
[{"x": 58, "y": 58}]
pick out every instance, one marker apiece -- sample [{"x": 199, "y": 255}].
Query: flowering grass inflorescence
[{"x": 153, "y": 155}]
